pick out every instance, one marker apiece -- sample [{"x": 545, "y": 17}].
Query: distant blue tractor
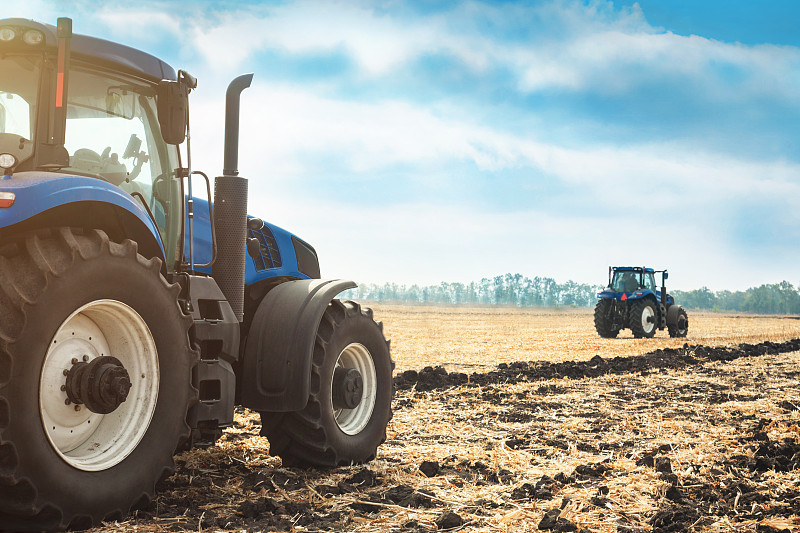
[{"x": 632, "y": 300}]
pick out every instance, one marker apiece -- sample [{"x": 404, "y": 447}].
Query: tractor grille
[{"x": 269, "y": 256}]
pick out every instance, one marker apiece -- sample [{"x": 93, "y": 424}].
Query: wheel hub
[
  {"x": 348, "y": 387},
  {"x": 101, "y": 385}
]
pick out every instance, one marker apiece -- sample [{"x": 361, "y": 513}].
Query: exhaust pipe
[{"x": 230, "y": 207}]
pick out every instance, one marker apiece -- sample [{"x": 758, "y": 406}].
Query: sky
[{"x": 429, "y": 141}]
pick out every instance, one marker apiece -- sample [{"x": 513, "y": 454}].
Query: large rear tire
[
  {"x": 77, "y": 451},
  {"x": 680, "y": 327},
  {"x": 643, "y": 318},
  {"x": 329, "y": 431},
  {"x": 603, "y": 321}
]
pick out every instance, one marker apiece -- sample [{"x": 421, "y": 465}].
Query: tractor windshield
[
  {"x": 112, "y": 133},
  {"x": 19, "y": 85},
  {"x": 626, "y": 280}
]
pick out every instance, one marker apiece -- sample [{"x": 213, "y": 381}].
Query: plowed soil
[{"x": 511, "y": 420}]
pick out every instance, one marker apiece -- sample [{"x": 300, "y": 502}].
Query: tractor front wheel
[
  {"x": 349, "y": 404},
  {"x": 95, "y": 379},
  {"x": 643, "y": 318}
]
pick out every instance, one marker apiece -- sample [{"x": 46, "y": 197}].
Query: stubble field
[{"x": 534, "y": 423}]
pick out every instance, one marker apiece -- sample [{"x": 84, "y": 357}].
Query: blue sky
[{"x": 420, "y": 142}]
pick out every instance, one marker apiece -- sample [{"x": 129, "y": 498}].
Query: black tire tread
[
  {"x": 298, "y": 437},
  {"x": 26, "y": 268},
  {"x": 602, "y": 323},
  {"x": 673, "y": 328}
]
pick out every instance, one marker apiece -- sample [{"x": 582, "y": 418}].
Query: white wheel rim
[
  {"x": 86, "y": 440},
  {"x": 647, "y": 316},
  {"x": 353, "y": 421}
]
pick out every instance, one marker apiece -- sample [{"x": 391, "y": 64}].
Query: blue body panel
[
  {"x": 37, "y": 192},
  {"x": 203, "y": 249},
  {"x": 635, "y": 295}
]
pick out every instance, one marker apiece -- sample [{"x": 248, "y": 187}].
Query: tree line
[
  {"x": 520, "y": 291},
  {"x": 509, "y": 289},
  {"x": 776, "y": 298}
]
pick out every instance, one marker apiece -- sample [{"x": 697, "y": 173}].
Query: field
[
  {"x": 477, "y": 339},
  {"x": 592, "y": 435}
]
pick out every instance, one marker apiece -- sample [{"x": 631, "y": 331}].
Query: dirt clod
[
  {"x": 449, "y": 520},
  {"x": 429, "y": 468}
]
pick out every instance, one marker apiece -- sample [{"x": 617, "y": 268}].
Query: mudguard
[
  {"x": 672, "y": 314},
  {"x": 276, "y": 371},
  {"x": 43, "y": 192}
]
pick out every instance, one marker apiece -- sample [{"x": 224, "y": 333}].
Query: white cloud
[
  {"x": 613, "y": 61},
  {"x": 139, "y": 23},
  {"x": 582, "y": 47},
  {"x": 293, "y": 129},
  {"x": 378, "y": 43},
  {"x": 567, "y": 45}
]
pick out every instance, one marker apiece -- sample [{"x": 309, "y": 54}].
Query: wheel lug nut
[
  {"x": 74, "y": 360},
  {"x": 63, "y": 388},
  {"x": 67, "y": 401},
  {"x": 66, "y": 372},
  {"x": 85, "y": 358},
  {"x": 77, "y": 407}
]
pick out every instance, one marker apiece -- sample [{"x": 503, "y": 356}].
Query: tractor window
[
  {"x": 625, "y": 281},
  {"x": 15, "y": 115},
  {"x": 650, "y": 281},
  {"x": 19, "y": 85},
  {"x": 113, "y": 134},
  {"x": 105, "y": 130}
]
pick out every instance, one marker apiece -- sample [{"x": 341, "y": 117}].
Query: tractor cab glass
[
  {"x": 19, "y": 84},
  {"x": 626, "y": 281},
  {"x": 649, "y": 281},
  {"x": 112, "y": 133}
]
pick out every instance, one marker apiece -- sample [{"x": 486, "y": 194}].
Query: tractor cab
[
  {"x": 629, "y": 280},
  {"x": 105, "y": 131},
  {"x": 626, "y": 283}
]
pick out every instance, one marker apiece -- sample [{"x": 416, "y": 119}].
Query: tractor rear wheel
[
  {"x": 643, "y": 318},
  {"x": 349, "y": 404},
  {"x": 603, "y": 320},
  {"x": 680, "y": 328},
  {"x": 95, "y": 379}
]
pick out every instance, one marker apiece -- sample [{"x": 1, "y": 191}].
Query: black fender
[
  {"x": 276, "y": 371},
  {"x": 672, "y": 314}
]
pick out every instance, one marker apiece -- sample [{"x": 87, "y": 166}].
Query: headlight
[
  {"x": 7, "y": 34},
  {"x": 33, "y": 37},
  {"x": 7, "y": 161}
]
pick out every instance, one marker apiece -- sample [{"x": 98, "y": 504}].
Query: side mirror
[
  {"x": 666, "y": 275},
  {"x": 172, "y": 98}
]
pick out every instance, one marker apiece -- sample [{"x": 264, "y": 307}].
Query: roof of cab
[
  {"x": 633, "y": 269},
  {"x": 100, "y": 51}
]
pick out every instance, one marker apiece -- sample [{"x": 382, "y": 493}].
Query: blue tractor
[
  {"x": 134, "y": 316},
  {"x": 632, "y": 300}
]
